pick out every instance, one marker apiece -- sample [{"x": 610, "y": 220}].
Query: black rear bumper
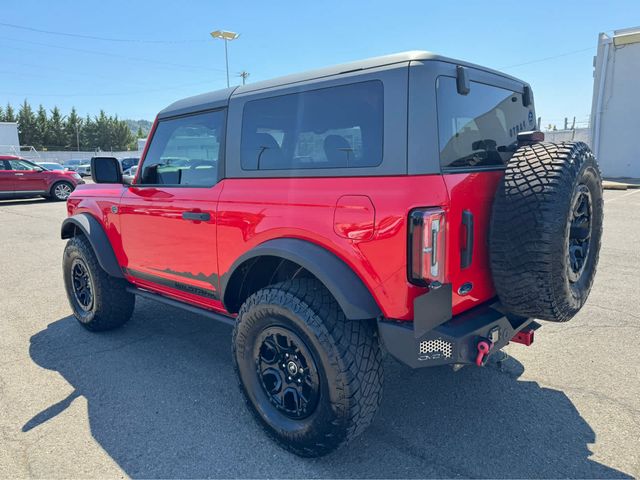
[{"x": 436, "y": 338}]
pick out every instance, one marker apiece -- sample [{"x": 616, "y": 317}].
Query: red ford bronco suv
[{"x": 404, "y": 204}]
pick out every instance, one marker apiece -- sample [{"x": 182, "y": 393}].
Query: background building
[
  {"x": 615, "y": 109},
  {"x": 9, "y": 142}
]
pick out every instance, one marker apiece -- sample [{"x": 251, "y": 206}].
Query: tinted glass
[
  {"x": 479, "y": 129},
  {"x": 185, "y": 151},
  {"x": 127, "y": 163},
  {"x": 52, "y": 166},
  {"x": 337, "y": 127},
  {"x": 22, "y": 165}
]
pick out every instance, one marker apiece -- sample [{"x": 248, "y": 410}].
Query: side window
[
  {"x": 22, "y": 165},
  {"x": 479, "y": 129},
  {"x": 185, "y": 151},
  {"x": 4, "y": 165},
  {"x": 336, "y": 127}
]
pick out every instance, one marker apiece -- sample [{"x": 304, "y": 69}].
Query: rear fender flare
[
  {"x": 347, "y": 288},
  {"x": 93, "y": 230}
]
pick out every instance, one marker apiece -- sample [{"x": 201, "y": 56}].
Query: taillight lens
[{"x": 427, "y": 233}]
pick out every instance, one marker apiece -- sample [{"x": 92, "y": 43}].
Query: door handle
[
  {"x": 196, "y": 216},
  {"x": 19, "y": 174},
  {"x": 466, "y": 254}
]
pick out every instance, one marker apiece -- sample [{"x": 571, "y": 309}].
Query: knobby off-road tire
[
  {"x": 99, "y": 301},
  {"x": 546, "y": 228},
  {"x": 315, "y": 341}
]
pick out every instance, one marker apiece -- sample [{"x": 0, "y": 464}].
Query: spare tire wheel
[{"x": 545, "y": 231}]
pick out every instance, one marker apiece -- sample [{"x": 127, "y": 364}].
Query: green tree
[
  {"x": 41, "y": 128},
  {"x": 103, "y": 131},
  {"x": 88, "y": 135},
  {"x": 26, "y": 124},
  {"x": 121, "y": 135},
  {"x": 9, "y": 114},
  {"x": 72, "y": 127},
  {"x": 56, "y": 135},
  {"x": 134, "y": 141},
  {"x": 1, "y": 114}
]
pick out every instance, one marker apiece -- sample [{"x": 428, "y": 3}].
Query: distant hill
[{"x": 135, "y": 124}]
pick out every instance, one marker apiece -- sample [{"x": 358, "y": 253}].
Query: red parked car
[
  {"x": 403, "y": 203},
  {"x": 20, "y": 178}
]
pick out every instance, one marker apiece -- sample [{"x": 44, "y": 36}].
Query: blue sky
[{"x": 151, "y": 53}]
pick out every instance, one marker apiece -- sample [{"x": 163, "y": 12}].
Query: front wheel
[
  {"x": 312, "y": 378},
  {"x": 61, "y": 191},
  {"x": 99, "y": 301}
]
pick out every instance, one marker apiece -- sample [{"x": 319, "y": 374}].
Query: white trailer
[
  {"x": 615, "y": 110},
  {"x": 9, "y": 142}
]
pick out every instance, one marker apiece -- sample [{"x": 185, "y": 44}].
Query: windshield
[
  {"x": 129, "y": 162},
  {"x": 51, "y": 166}
]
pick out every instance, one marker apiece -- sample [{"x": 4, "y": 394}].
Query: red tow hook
[
  {"x": 484, "y": 347},
  {"x": 524, "y": 337}
]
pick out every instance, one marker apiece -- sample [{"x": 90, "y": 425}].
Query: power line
[
  {"x": 115, "y": 55},
  {"x": 110, "y": 94},
  {"x": 94, "y": 37},
  {"x": 547, "y": 58},
  {"x": 59, "y": 72}
]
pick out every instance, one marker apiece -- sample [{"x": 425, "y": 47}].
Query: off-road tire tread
[
  {"x": 527, "y": 228},
  {"x": 352, "y": 346},
  {"x": 116, "y": 305}
]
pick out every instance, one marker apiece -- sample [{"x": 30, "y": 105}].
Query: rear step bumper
[{"x": 460, "y": 340}]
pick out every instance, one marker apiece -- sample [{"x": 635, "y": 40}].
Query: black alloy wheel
[
  {"x": 287, "y": 372},
  {"x": 578, "y": 240},
  {"x": 82, "y": 284},
  {"x": 311, "y": 377}
]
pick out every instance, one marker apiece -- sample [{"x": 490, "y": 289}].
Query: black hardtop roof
[{"x": 220, "y": 98}]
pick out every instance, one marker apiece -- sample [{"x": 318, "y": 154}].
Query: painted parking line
[{"x": 621, "y": 196}]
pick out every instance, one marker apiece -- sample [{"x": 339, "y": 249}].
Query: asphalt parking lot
[{"x": 158, "y": 398}]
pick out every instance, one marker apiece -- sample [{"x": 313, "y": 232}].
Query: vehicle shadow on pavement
[
  {"x": 163, "y": 402},
  {"x": 25, "y": 201}
]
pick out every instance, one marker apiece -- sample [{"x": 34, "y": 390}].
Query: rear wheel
[
  {"x": 61, "y": 191},
  {"x": 99, "y": 301},
  {"x": 546, "y": 229},
  {"x": 312, "y": 378}
]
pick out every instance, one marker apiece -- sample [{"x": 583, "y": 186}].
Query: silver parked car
[{"x": 53, "y": 166}]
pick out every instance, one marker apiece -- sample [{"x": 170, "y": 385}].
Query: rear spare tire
[{"x": 546, "y": 228}]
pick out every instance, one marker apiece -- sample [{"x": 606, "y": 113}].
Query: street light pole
[
  {"x": 227, "y": 37},
  {"x": 226, "y": 60}
]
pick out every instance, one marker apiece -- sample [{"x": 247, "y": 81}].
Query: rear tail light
[{"x": 427, "y": 235}]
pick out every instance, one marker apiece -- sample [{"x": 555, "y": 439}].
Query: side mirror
[{"x": 106, "y": 170}]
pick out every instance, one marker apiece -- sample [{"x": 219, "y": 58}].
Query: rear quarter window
[
  {"x": 479, "y": 129},
  {"x": 335, "y": 127}
]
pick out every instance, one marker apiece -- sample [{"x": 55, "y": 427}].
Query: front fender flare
[
  {"x": 347, "y": 288},
  {"x": 93, "y": 230}
]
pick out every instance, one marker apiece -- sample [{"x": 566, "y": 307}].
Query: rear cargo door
[{"x": 477, "y": 134}]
